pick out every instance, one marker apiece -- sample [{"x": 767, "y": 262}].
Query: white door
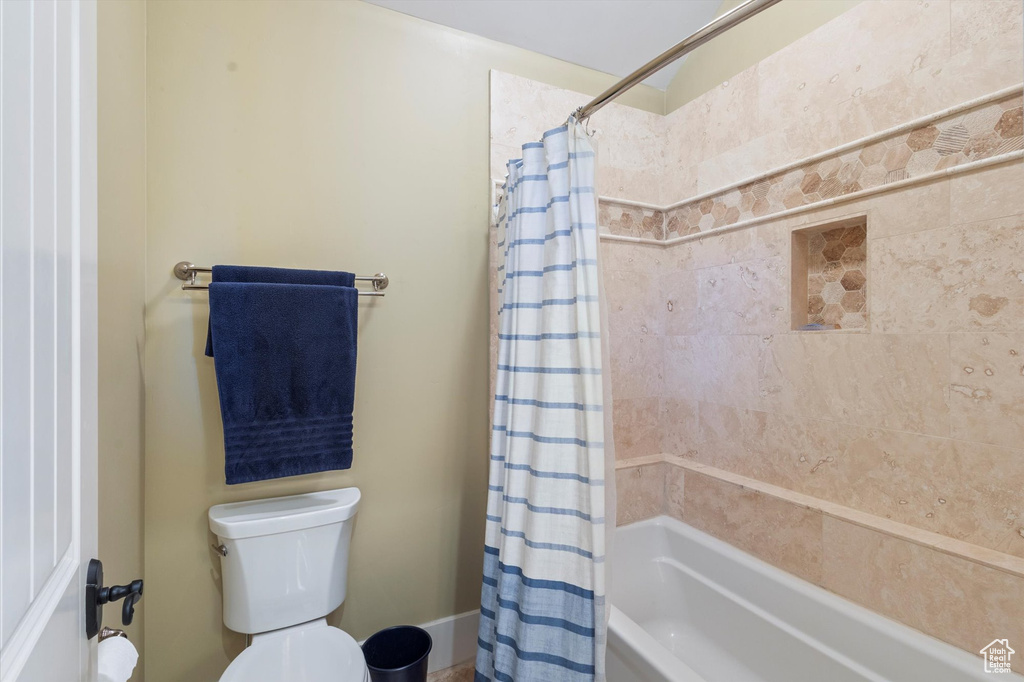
[{"x": 47, "y": 337}]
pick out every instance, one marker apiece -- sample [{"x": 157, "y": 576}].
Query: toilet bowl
[
  {"x": 311, "y": 652},
  {"x": 284, "y": 566}
]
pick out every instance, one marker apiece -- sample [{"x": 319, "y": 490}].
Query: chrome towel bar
[{"x": 187, "y": 272}]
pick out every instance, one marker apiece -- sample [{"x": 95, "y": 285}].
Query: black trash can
[{"x": 398, "y": 654}]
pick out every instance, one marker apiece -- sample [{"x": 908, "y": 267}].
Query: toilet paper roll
[{"x": 117, "y": 659}]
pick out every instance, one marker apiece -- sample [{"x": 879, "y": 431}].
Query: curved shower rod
[{"x": 720, "y": 25}]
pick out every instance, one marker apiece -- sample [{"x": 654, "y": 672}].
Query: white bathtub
[{"x": 688, "y": 607}]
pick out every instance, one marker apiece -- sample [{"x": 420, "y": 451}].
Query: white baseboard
[{"x": 454, "y": 639}]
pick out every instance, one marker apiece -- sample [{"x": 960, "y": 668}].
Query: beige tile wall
[
  {"x": 640, "y": 491},
  {"x": 918, "y": 420},
  {"x": 898, "y": 61},
  {"x": 910, "y": 430},
  {"x": 907, "y": 575}
]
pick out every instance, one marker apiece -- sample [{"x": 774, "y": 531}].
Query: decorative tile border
[
  {"x": 989, "y": 129},
  {"x": 627, "y": 220}
]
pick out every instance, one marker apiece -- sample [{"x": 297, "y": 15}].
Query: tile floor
[{"x": 459, "y": 673}]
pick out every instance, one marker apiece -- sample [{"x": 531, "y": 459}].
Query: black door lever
[
  {"x": 96, "y": 595},
  {"x": 131, "y": 593}
]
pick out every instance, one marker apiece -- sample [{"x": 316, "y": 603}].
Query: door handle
[{"x": 96, "y": 595}]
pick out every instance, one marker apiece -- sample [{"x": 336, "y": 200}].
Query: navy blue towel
[
  {"x": 245, "y": 273},
  {"x": 285, "y": 357}
]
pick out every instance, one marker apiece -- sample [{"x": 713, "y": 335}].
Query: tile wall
[{"x": 885, "y": 464}]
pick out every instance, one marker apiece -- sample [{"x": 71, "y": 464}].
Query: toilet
[{"x": 284, "y": 565}]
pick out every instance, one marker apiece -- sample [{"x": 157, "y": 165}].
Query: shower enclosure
[{"x": 816, "y": 311}]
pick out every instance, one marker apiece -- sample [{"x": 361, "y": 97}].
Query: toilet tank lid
[{"x": 282, "y": 514}]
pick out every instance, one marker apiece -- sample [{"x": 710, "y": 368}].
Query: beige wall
[
  {"x": 121, "y": 64},
  {"x": 746, "y": 44},
  {"x": 325, "y": 135}
]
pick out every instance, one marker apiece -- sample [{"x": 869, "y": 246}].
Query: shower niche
[{"x": 830, "y": 276}]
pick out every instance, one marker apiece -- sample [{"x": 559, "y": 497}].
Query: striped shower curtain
[{"x": 543, "y": 601}]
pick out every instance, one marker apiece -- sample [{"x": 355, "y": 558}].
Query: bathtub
[{"x": 687, "y": 607}]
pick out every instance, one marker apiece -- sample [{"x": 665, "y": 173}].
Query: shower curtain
[{"x": 543, "y": 611}]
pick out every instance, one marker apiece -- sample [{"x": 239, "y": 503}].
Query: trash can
[{"x": 398, "y": 654}]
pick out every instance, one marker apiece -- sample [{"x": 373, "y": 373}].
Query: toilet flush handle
[{"x": 220, "y": 549}]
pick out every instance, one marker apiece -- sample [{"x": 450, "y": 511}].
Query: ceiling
[{"x": 613, "y": 36}]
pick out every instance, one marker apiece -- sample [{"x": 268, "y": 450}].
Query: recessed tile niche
[{"x": 830, "y": 276}]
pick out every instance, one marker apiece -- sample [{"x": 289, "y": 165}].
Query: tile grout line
[{"x": 948, "y": 388}]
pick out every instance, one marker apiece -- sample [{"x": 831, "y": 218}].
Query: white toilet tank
[{"x": 287, "y": 558}]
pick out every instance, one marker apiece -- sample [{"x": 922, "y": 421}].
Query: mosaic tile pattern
[
  {"x": 837, "y": 285},
  {"x": 630, "y": 221},
  {"x": 992, "y": 129}
]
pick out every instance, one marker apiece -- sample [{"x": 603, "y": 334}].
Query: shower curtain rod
[{"x": 720, "y": 25}]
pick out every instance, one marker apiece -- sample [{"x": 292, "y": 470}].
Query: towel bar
[{"x": 187, "y": 271}]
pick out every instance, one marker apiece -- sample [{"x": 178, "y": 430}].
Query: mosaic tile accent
[
  {"x": 837, "y": 285},
  {"x": 630, "y": 221},
  {"x": 989, "y": 130}
]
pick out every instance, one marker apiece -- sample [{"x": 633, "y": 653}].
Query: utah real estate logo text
[{"x": 997, "y": 656}]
